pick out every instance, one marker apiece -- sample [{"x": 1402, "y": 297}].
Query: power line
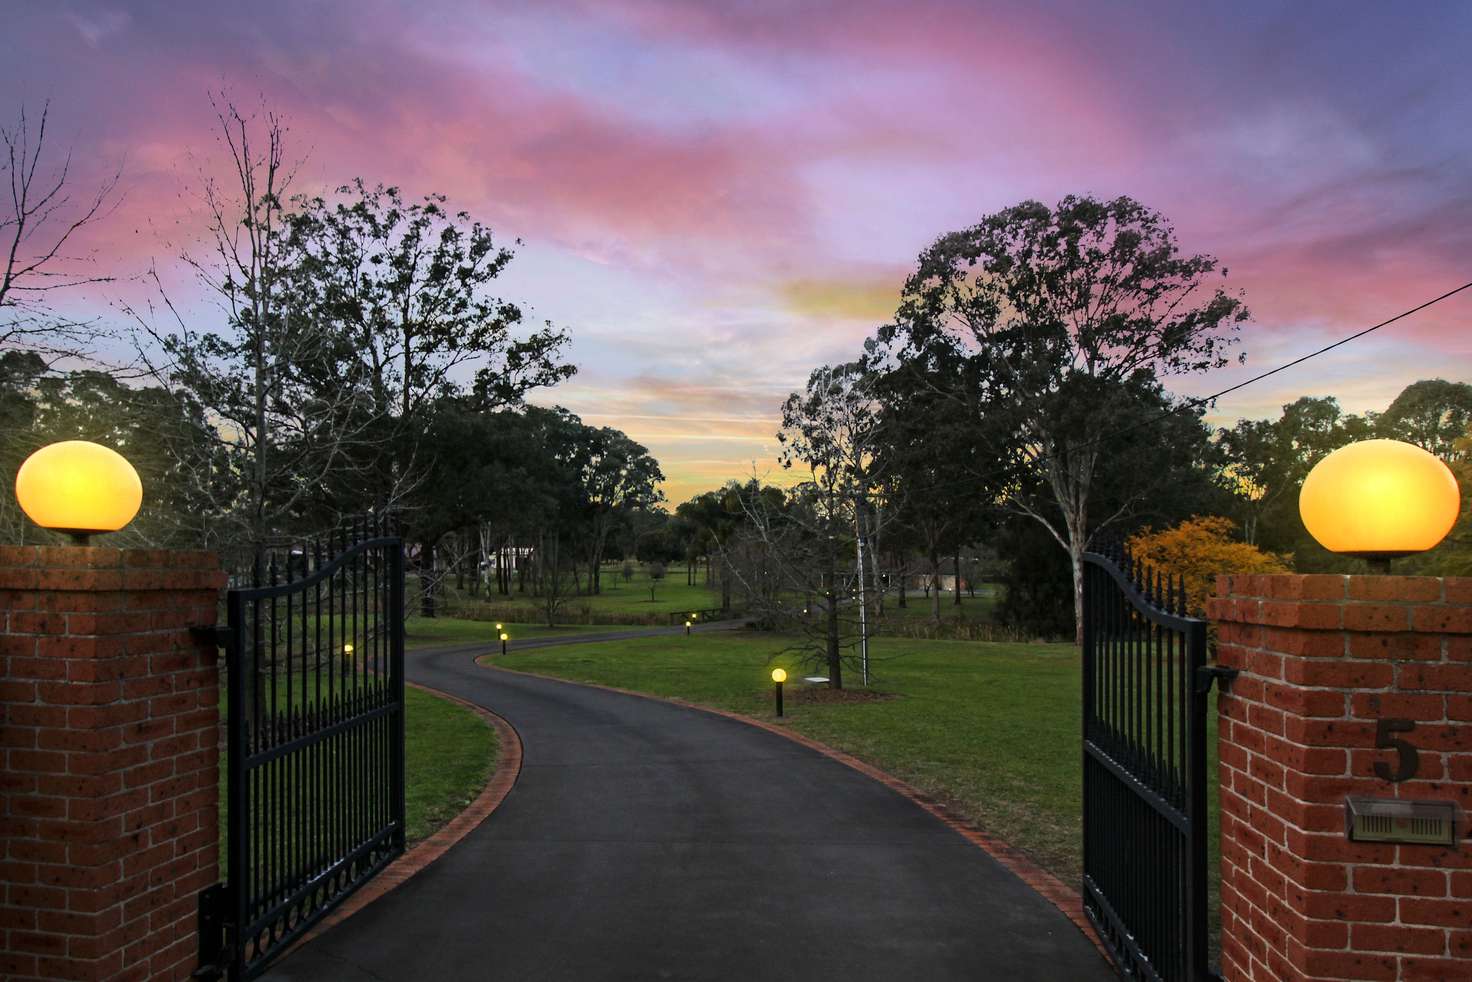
[
  {"x": 1330, "y": 347},
  {"x": 1204, "y": 400}
]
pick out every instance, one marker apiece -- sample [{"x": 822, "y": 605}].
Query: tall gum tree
[{"x": 1059, "y": 313}]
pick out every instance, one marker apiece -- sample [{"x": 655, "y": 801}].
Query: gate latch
[
  {"x": 1206, "y": 674},
  {"x": 219, "y": 634}
]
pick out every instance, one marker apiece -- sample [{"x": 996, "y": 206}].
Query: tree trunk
[
  {"x": 935, "y": 588},
  {"x": 956, "y": 601},
  {"x": 1076, "y": 556},
  {"x": 426, "y": 580},
  {"x": 900, "y": 566},
  {"x": 835, "y": 659}
]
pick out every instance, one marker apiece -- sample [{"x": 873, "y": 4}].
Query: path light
[
  {"x": 504, "y": 638},
  {"x": 1379, "y": 499},
  {"x": 778, "y": 677},
  {"x": 499, "y": 628},
  {"x": 79, "y": 488},
  {"x": 347, "y": 649},
  {"x": 687, "y": 627}
]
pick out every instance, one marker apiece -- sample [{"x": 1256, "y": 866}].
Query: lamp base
[
  {"x": 1379, "y": 562},
  {"x": 80, "y": 537}
]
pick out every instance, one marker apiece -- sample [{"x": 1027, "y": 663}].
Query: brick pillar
[
  {"x": 109, "y": 717},
  {"x": 1324, "y": 660}
]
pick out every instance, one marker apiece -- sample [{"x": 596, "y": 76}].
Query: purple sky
[{"x": 715, "y": 198}]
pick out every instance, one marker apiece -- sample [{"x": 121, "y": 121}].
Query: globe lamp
[
  {"x": 79, "y": 488},
  {"x": 1379, "y": 500}
]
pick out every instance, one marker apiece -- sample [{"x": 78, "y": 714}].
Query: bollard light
[
  {"x": 1379, "y": 499},
  {"x": 79, "y": 488},
  {"x": 687, "y": 627},
  {"x": 778, "y": 677},
  {"x": 347, "y": 649},
  {"x": 499, "y": 628},
  {"x": 504, "y": 638}
]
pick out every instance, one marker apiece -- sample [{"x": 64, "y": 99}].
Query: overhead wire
[{"x": 1199, "y": 401}]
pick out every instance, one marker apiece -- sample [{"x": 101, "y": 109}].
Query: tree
[
  {"x": 1064, "y": 315},
  {"x": 1199, "y": 549},
  {"x": 279, "y": 408},
  {"x": 405, "y": 286},
  {"x": 1433, "y": 414},
  {"x": 931, "y": 458},
  {"x": 832, "y": 429},
  {"x": 618, "y": 477},
  {"x": 37, "y": 223},
  {"x": 655, "y": 571}
]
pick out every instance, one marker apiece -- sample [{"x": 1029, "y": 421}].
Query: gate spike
[{"x": 1181, "y": 596}]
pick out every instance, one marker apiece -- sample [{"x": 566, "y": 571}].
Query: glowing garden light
[{"x": 779, "y": 676}]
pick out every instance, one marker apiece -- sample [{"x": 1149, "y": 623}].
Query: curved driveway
[{"x": 645, "y": 840}]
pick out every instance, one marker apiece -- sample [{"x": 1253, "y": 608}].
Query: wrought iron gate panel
[
  {"x": 1144, "y": 763},
  {"x": 315, "y": 738}
]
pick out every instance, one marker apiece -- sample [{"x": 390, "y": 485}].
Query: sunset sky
[{"x": 714, "y": 198}]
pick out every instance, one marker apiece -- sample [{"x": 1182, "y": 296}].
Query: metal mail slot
[{"x": 1432, "y": 823}]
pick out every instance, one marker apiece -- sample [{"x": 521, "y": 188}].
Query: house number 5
[{"x": 1408, "y": 760}]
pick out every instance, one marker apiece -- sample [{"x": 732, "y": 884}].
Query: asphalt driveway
[{"x": 649, "y": 841}]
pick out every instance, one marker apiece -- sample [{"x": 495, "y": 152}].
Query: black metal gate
[
  {"x": 1145, "y": 685},
  {"x": 315, "y": 721}
]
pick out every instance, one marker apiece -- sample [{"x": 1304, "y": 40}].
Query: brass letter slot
[{"x": 1430, "y": 823}]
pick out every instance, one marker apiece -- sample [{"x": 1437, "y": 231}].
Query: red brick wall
[
  {"x": 109, "y": 729},
  {"x": 1322, "y": 658}
]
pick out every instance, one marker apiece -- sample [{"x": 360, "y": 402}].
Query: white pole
[{"x": 863, "y": 602}]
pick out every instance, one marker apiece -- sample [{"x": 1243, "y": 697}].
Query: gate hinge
[
  {"x": 219, "y": 634},
  {"x": 1207, "y": 673},
  {"x": 212, "y": 901}
]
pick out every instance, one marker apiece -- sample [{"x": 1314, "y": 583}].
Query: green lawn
[
  {"x": 621, "y": 602},
  {"x": 992, "y": 729},
  {"x": 976, "y": 613},
  {"x": 449, "y": 752},
  {"x": 432, "y": 632}
]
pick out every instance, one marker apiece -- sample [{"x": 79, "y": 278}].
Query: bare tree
[
  {"x": 281, "y": 410},
  {"x": 39, "y": 224},
  {"x": 785, "y": 557}
]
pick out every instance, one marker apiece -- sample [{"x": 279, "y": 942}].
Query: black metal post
[
  {"x": 1196, "y": 808},
  {"x": 778, "y": 686},
  {"x": 396, "y": 668},
  {"x": 503, "y": 644},
  {"x": 237, "y": 820}
]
